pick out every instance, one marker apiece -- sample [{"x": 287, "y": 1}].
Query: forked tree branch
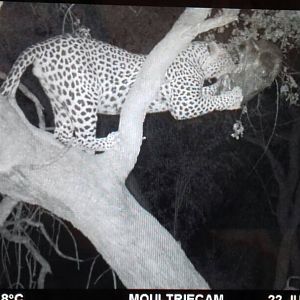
[
  {"x": 190, "y": 24},
  {"x": 89, "y": 190}
]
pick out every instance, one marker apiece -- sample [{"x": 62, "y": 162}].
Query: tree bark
[{"x": 89, "y": 190}]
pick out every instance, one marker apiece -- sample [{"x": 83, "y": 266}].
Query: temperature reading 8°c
[{"x": 12, "y": 297}]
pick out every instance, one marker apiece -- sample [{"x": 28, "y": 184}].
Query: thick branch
[{"x": 191, "y": 23}]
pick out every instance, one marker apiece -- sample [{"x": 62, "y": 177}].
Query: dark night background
[{"x": 219, "y": 197}]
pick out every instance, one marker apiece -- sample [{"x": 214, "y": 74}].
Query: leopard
[{"x": 84, "y": 77}]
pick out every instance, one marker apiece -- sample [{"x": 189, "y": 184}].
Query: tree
[
  {"x": 219, "y": 197},
  {"x": 92, "y": 194}
]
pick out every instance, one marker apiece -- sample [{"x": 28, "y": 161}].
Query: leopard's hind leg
[{"x": 83, "y": 114}]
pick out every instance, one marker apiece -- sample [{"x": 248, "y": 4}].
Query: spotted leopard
[{"x": 83, "y": 76}]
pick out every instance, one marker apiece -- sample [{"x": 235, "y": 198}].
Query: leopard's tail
[{"x": 11, "y": 83}]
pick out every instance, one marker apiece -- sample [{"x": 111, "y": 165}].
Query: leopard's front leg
[{"x": 197, "y": 100}]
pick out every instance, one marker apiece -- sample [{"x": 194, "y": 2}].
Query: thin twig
[
  {"x": 273, "y": 131},
  {"x": 47, "y": 237},
  {"x": 45, "y": 267},
  {"x": 114, "y": 279},
  {"x": 91, "y": 271},
  {"x": 101, "y": 275},
  {"x": 65, "y": 17}
]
